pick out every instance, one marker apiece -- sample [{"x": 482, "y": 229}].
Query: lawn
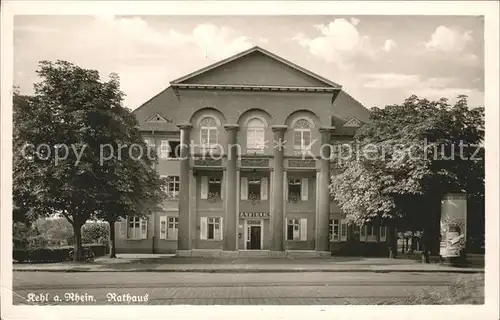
[{"x": 468, "y": 289}]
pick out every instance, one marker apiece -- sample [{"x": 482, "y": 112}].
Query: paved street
[{"x": 222, "y": 288}]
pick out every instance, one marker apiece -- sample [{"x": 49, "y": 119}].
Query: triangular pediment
[
  {"x": 255, "y": 67},
  {"x": 353, "y": 123},
  {"x": 157, "y": 118}
]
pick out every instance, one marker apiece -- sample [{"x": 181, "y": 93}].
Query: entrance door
[{"x": 255, "y": 237}]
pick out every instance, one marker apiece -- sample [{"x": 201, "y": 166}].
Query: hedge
[{"x": 57, "y": 254}]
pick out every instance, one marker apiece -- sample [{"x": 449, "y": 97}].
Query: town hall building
[{"x": 269, "y": 195}]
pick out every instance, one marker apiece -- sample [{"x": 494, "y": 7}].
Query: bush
[
  {"x": 20, "y": 235},
  {"x": 96, "y": 232},
  {"x": 38, "y": 242},
  {"x": 58, "y": 254},
  {"x": 29, "y": 238}
]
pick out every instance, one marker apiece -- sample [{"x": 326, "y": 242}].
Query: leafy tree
[
  {"x": 64, "y": 125},
  {"x": 404, "y": 164},
  {"x": 132, "y": 187}
]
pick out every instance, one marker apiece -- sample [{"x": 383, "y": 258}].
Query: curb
[{"x": 252, "y": 270}]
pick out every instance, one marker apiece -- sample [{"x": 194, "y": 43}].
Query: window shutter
[
  {"x": 144, "y": 228},
  {"x": 383, "y": 234},
  {"x": 221, "y": 228},
  {"x": 303, "y": 229},
  {"x": 244, "y": 188},
  {"x": 304, "y": 189},
  {"x": 203, "y": 228},
  {"x": 204, "y": 187},
  {"x": 263, "y": 188},
  {"x": 163, "y": 227},
  {"x": 343, "y": 230}
]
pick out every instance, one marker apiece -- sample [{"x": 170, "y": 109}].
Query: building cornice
[{"x": 232, "y": 87}]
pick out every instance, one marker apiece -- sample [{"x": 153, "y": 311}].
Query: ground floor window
[
  {"x": 368, "y": 233},
  {"x": 211, "y": 228},
  {"x": 338, "y": 230},
  {"x": 172, "y": 228},
  {"x": 134, "y": 228},
  {"x": 296, "y": 229},
  {"x": 169, "y": 227},
  {"x": 137, "y": 228}
]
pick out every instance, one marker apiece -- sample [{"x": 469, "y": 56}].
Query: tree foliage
[
  {"x": 409, "y": 155},
  {"x": 68, "y": 120}
]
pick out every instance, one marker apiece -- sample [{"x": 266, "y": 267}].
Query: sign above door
[{"x": 254, "y": 215}]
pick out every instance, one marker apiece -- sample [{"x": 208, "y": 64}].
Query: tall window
[
  {"x": 172, "y": 228},
  {"x": 302, "y": 135},
  {"x": 208, "y": 132},
  {"x": 293, "y": 229},
  {"x": 298, "y": 189},
  {"x": 173, "y": 187},
  {"x": 134, "y": 228},
  {"x": 255, "y": 136},
  {"x": 214, "y": 229},
  {"x": 254, "y": 188},
  {"x": 214, "y": 186},
  {"x": 338, "y": 230},
  {"x": 296, "y": 229},
  {"x": 294, "y": 188},
  {"x": 169, "y": 227}
]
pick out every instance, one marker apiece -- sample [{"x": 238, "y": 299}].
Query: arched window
[
  {"x": 255, "y": 135},
  {"x": 208, "y": 132},
  {"x": 302, "y": 135}
]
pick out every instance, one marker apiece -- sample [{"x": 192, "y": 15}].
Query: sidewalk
[{"x": 169, "y": 263}]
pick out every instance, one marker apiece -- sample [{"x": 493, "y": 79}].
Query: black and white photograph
[{"x": 187, "y": 156}]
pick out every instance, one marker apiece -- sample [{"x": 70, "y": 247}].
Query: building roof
[
  {"x": 326, "y": 82},
  {"x": 166, "y": 103}
]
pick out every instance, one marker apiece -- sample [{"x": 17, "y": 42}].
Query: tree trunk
[
  {"x": 112, "y": 238},
  {"x": 425, "y": 245},
  {"x": 394, "y": 241},
  {"x": 77, "y": 246},
  {"x": 407, "y": 246}
]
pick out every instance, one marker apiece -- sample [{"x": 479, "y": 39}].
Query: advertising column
[{"x": 453, "y": 225}]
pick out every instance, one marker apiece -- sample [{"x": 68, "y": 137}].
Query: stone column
[
  {"x": 230, "y": 223},
  {"x": 184, "y": 232},
  {"x": 277, "y": 214},
  {"x": 323, "y": 239}
]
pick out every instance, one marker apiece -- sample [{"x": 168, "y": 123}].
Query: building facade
[{"x": 240, "y": 142}]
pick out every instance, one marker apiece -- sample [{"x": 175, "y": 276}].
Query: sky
[{"x": 379, "y": 60}]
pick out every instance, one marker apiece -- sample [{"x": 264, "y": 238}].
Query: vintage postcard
[{"x": 231, "y": 159}]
